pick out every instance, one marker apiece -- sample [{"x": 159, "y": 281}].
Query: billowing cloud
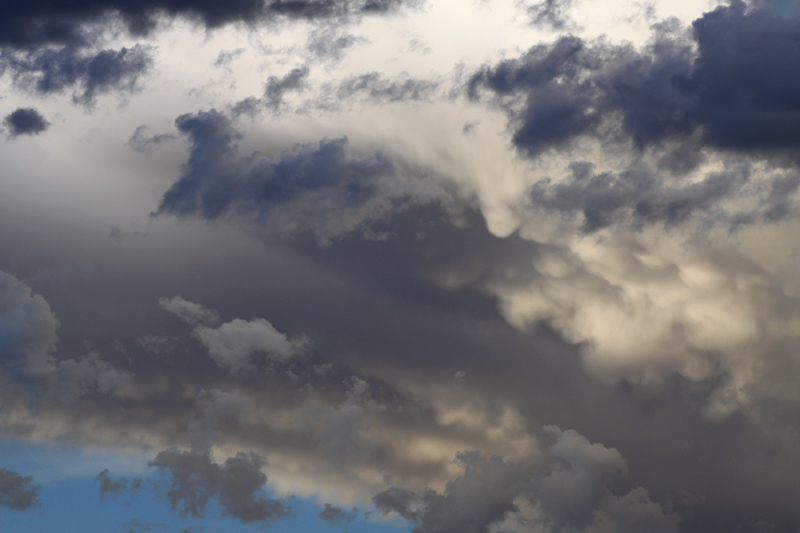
[{"x": 570, "y": 491}]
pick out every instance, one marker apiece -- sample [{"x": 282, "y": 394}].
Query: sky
[{"x": 384, "y": 266}]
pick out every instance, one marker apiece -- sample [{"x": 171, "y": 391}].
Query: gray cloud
[
  {"x": 377, "y": 88},
  {"x": 728, "y": 87},
  {"x": 336, "y": 515},
  {"x": 108, "y": 486},
  {"x": 192, "y": 479},
  {"x": 43, "y": 22},
  {"x": 571, "y": 490},
  {"x": 140, "y": 142},
  {"x": 17, "y": 491},
  {"x": 53, "y": 70},
  {"x": 319, "y": 188},
  {"x": 550, "y": 14},
  {"x": 25, "y": 121},
  {"x": 276, "y": 87},
  {"x": 329, "y": 44}
]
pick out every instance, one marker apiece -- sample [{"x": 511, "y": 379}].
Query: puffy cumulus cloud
[
  {"x": 54, "y": 70},
  {"x": 235, "y": 345},
  {"x": 569, "y": 489},
  {"x": 17, "y": 491},
  {"x": 190, "y": 480},
  {"x": 25, "y": 121},
  {"x": 320, "y": 188},
  {"x": 44, "y": 22}
]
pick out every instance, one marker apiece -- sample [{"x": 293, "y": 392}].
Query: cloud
[
  {"x": 27, "y": 331},
  {"x": 191, "y": 480},
  {"x": 336, "y": 515},
  {"x": 40, "y": 22},
  {"x": 276, "y": 87},
  {"x": 28, "y": 335},
  {"x": 729, "y": 79},
  {"x": 16, "y": 491},
  {"x": 141, "y": 143},
  {"x": 25, "y": 121},
  {"x": 329, "y": 44},
  {"x": 378, "y": 88},
  {"x": 320, "y": 188},
  {"x": 234, "y": 344},
  {"x": 570, "y": 491},
  {"x": 550, "y": 14},
  {"x": 113, "y": 487},
  {"x": 54, "y": 70},
  {"x": 190, "y": 312}
]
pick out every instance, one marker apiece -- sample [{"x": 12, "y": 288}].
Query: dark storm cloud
[
  {"x": 336, "y": 515},
  {"x": 192, "y": 479},
  {"x": 322, "y": 188},
  {"x": 16, "y": 491},
  {"x": 276, "y": 87},
  {"x": 733, "y": 78},
  {"x": 39, "y": 22},
  {"x": 52, "y": 70},
  {"x": 25, "y": 121},
  {"x": 378, "y": 88}
]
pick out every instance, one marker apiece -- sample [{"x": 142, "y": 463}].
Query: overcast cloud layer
[{"x": 465, "y": 267}]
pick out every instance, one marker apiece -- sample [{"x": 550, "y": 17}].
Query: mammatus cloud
[
  {"x": 17, "y": 491},
  {"x": 25, "y": 121},
  {"x": 320, "y": 188},
  {"x": 570, "y": 489}
]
